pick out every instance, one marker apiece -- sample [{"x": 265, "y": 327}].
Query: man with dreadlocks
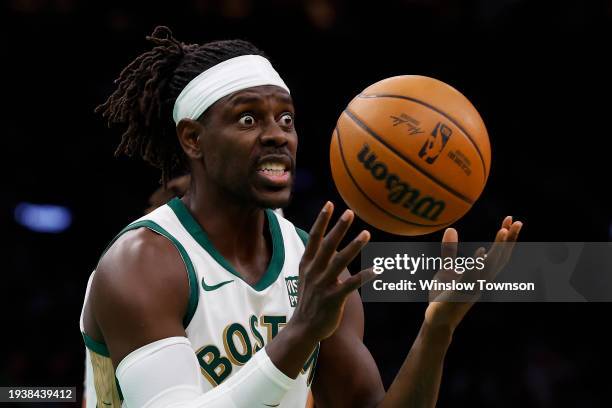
[{"x": 197, "y": 304}]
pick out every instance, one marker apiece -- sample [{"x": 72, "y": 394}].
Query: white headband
[{"x": 221, "y": 80}]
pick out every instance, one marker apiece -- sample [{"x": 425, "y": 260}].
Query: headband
[{"x": 221, "y": 80}]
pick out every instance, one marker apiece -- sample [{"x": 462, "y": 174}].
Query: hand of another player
[
  {"x": 321, "y": 293},
  {"x": 448, "y": 314}
]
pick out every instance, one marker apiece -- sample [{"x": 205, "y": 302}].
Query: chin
[{"x": 276, "y": 199}]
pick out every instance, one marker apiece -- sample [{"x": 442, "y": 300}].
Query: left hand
[{"x": 447, "y": 315}]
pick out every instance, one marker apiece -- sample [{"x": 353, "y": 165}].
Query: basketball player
[
  {"x": 197, "y": 304},
  {"x": 177, "y": 187}
]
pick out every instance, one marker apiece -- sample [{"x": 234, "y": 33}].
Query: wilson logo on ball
[
  {"x": 400, "y": 192},
  {"x": 435, "y": 143}
]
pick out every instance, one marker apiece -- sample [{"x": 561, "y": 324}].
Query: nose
[{"x": 274, "y": 135}]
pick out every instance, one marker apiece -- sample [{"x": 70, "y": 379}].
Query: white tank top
[{"x": 228, "y": 320}]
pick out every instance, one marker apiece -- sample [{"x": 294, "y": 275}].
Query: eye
[
  {"x": 286, "y": 119},
  {"x": 247, "y": 120}
]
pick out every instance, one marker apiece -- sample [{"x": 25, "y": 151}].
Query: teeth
[
  {"x": 273, "y": 172},
  {"x": 274, "y": 167}
]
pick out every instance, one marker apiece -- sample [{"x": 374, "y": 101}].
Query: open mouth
[
  {"x": 271, "y": 168},
  {"x": 275, "y": 170}
]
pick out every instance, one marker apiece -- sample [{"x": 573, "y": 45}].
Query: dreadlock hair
[{"x": 147, "y": 89}]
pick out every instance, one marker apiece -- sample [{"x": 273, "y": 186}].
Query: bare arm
[
  {"x": 346, "y": 364},
  {"x": 139, "y": 293}
]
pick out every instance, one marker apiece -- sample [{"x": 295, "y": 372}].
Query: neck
[{"x": 236, "y": 230}]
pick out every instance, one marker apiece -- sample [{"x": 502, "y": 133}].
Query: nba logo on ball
[
  {"x": 431, "y": 143},
  {"x": 434, "y": 145}
]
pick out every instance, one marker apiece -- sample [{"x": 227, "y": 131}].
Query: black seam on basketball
[
  {"x": 409, "y": 98},
  {"x": 348, "y": 171},
  {"x": 365, "y": 127}
]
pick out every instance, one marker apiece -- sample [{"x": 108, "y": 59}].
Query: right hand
[{"x": 321, "y": 293}]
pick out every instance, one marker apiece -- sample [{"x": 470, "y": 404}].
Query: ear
[{"x": 189, "y": 132}]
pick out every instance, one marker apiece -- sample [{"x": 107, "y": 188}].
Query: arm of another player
[{"x": 347, "y": 375}]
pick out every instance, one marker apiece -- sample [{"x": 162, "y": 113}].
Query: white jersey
[{"x": 227, "y": 320}]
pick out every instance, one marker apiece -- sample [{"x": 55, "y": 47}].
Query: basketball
[{"x": 410, "y": 155}]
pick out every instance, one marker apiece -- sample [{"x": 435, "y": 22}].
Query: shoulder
[
  {"x": 138, "y": 251},
  {"x": 139, "y": 292},
  {"x": 140, "y": 266}
]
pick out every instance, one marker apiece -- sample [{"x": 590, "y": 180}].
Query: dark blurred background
[{"x": 538, "y": 72}]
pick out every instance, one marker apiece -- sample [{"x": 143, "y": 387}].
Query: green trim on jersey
[
  {"x": 303, "y": 235},
  {"x": 194, "y": 292},
  {"x": 195, "y": 230},
  {"x": 95, "y": 346}
]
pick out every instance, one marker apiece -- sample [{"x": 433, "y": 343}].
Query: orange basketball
[{"x": 410, "y": 155}]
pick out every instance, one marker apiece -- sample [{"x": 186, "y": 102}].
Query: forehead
[{"x": 257, "y": 94}]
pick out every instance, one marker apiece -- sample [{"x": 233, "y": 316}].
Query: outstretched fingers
[
  {"x": 514, "y": 231},
  {"x": 318, "y": 231},
  {"x": 356, "y": 281},
  {"x": 341, "y": 259},
  {"x": 331, "y": 241},
  {"x": 502, "y": 248},
  {"x": 498, "y": 244},
  {"x": 450, "y": 240},
  {"x": 507, "y": 222},
  {"x": 513, "y": 234}
]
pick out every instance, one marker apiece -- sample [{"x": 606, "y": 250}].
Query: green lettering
[
  {"x": 256, "y": 334},
  {"x": 214, "y": 367},
  {"x": 273, "y": 323},
  {"x": 236, "y": 330}
]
